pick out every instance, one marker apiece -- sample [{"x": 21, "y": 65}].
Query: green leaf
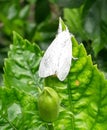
[
  {"x": 23, "y": 13},
  {"x": 89, "y": 22},
  {"x": 18, "y": 110},
  {"x": 21, "y": 67},
  {"x": 75, "y": 22},
  {"x": 83, "y": 94},
  {"x": 62, "y": 24}
]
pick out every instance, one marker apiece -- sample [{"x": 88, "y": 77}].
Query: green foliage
[
  {"x": 13, "y": 16},
  {"x": 37, "y": 20},
  {"x": 22, "y": 65},
  {"x": 89, "y": 22},
  {"x": 18, "y": 110},
  {"x": 83, "y": 94}
]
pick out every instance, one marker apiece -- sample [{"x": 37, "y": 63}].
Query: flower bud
[{"x": 48, "y": 105}]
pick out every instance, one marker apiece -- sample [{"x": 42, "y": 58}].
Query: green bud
[{"x": 48, "y": 105}]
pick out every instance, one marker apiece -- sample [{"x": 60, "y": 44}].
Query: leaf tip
[{"x": 62, "y": 26}]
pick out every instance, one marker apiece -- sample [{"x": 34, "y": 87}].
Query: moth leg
[{"x": 74, "y": 58}]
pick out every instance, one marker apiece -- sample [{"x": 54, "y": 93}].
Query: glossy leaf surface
[{"x": 83, "y": 94}]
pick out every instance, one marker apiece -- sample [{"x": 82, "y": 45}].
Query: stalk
[{"x": 50, "y": 126}]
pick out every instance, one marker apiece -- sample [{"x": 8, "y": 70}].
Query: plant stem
[{"x": 50, "y": 126}]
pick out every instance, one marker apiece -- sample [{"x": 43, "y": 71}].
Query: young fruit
[{"x": 48, "y": 105}]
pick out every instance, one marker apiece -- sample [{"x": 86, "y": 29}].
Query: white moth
[{"x": 58, "y": 56}]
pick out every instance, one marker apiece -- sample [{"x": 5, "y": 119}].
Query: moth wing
[
  {"x": 65, "y": 57},
  {"x": 49, "y": 61},
  {"x": 57, "y": 58}
]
